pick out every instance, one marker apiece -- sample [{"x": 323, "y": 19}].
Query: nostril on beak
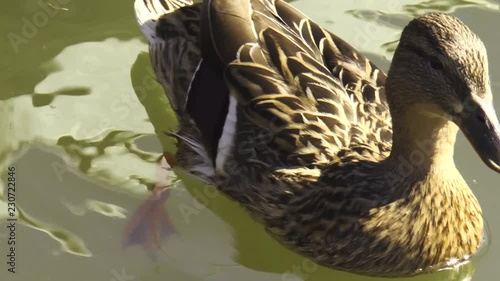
[{"x": 481, "y": 119}]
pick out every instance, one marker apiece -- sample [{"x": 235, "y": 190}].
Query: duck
[{"x": 346, "y": 165}]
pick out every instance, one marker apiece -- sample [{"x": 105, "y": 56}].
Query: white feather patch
[
  {"x": 226, "y": 141},
  {"x": 192, "y": 79}
]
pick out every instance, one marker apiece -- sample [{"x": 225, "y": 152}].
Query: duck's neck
[{"x": 422, "y": 141}]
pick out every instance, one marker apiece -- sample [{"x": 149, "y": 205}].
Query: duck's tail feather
[
  {"x": 147, "y": 13},
  {"x": 172, "y": 28}
]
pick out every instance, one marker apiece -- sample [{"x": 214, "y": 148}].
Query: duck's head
[{"x": 442, "y": 66}]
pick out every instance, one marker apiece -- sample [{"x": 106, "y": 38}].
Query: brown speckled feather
[{"x": 317, "y": 93}]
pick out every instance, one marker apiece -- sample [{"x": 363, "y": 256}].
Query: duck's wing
[{"x": 315, "y": 92}]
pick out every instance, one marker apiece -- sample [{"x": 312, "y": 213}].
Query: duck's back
[{"x": 292, "y": 91}]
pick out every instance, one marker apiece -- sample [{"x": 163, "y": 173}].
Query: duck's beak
[{"x": 480, "y": 125}]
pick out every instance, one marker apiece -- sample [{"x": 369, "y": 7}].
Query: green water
[{"x": 78, "y": 114}]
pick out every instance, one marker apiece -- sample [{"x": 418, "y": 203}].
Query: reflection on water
[
  {"x": 446, "y": 6},
  {"x": 69, "y": 242},
  {"x": 84, "y": 124}
]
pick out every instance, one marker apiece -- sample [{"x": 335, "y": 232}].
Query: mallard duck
[{"x": 346, "y": 165}]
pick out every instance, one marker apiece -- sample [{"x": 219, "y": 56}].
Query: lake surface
[{"x": 78, "y": 113}]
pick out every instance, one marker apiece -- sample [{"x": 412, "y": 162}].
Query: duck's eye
[{"x": 435, "y": 63}]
